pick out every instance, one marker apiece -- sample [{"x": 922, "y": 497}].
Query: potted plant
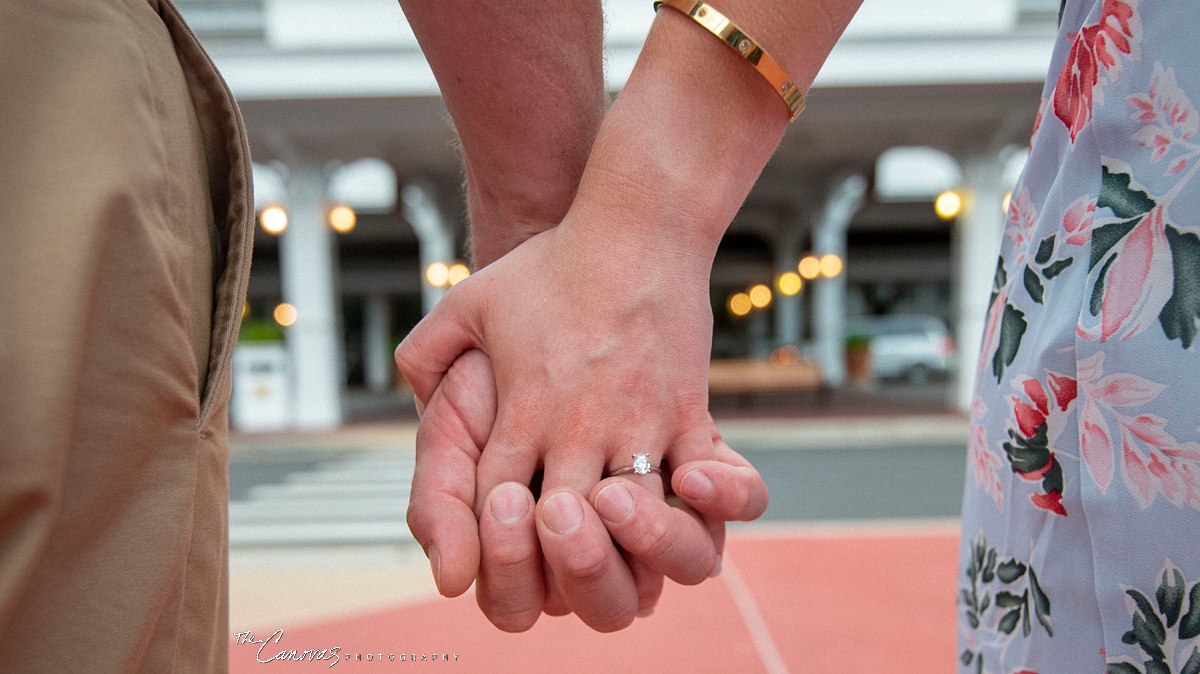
[{"x": 858, "y": 359}]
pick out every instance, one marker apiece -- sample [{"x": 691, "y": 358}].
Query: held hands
[{"x": 599, "y": 349}]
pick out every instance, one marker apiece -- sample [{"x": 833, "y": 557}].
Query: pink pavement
[{"x": 880, "y": 602}]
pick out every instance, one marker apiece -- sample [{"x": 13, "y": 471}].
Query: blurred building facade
[{"x": 919, "y": 97}]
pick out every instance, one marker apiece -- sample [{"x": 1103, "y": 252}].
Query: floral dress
[{"x": 1081, "y": 518}]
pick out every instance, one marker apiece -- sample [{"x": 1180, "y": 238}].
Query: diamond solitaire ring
[{"x": 641, "y": 466}]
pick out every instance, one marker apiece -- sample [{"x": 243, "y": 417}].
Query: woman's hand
[
  {"x": 600, "y": 350},
  {"x": 502, "y": 548}
]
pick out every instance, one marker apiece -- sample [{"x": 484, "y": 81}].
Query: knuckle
[
  {"x": 510, "y": 555},
  {"x": 416, "y": 520},
  {"x": 657, "y": 541},
  {"x": 585, "y": 566}
]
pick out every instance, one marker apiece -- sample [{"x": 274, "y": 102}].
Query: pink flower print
[
  {"x": 1049, "y": 407},
  {"x": 1077, "y": 222},
  {"x": 1065, "y": 389},
  {"x": 1102, "y": 394},
  {"x": 1119, "y": 32},
  {"x": 1096, "y": 446},
  {"x": 1166, "y": 113},
  {"x": 1039, "y": 422},
  {"x": 1051, "y": 501},
  {"x": 1073, "y": 91},
  {"x": 1168, "y": 467},
  {"x": 1153, "y": 468},
  {"x": 1028, "y": 417},
  {"x": 1093, "y": 61},
  {"x": 984, "y": 462},
  {"x": 991, "y": 329},
  {"x": 1022, "y": 219},
  {"x": 1140, "y": 281},
  {"x": 1152, "y": 460},
  {"x": 1037, "y": 121}
]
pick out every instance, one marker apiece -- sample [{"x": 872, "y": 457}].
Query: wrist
[{"x": 680, "y": 149}]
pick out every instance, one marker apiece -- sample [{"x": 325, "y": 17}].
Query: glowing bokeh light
[
  {"x": 342, "y": 219},
  {"x": 831, "y": 265},
  {"x": 760, "y": 296},
  {"x": 1004, "y": 204},
  {"x": 789, "y": 283},
  {"x": 458, "y": 272},
  {"x": 285, "y": 314},
  {"x": 740, "y": 305},
  {"x": 438, "y": 274},
  {"x": 809, "y": 267},
  {"x": 785, "y": 355},
  {"x": 273, "y": 220},
  {"x": 948, "y": 205}
]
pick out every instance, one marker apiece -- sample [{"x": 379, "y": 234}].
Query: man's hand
[{"x": 511, "y": 587}]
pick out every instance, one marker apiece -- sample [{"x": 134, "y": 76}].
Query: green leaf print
[
  {"x": 1158, "y": 629},
  {"x": 1104, "y": 238},
  {"x": 1012, "y": 329},
  {"x": 1041, "y": 603},
  {"x": 1189, "y": 625},
  {"x": 1009, "y": 607},
  {"x": 1157, "y": 667},
  {"x": 1148, "y": 630},
  {"x": 1193, "y": 664},
  {"x": 1181, "y": 312},
  {"x": 1125, "y": 202},
  {"x": 1121, "y": 668},
  {"x": 1033, "y": 285},
  {"x": 1045, "y": 250},
  {"x": 1006, "y": 599},
  {"x": 1170, "y": 595},
  {"x": 1009, "y": 622},
  {"x": 1098, "y": 290},
  {"x": 1010, "y": 571},
  {"x": 1057, "y": 267},
  {"x": 1028, "y": 455},
  {"x": 998, "y": 281}
]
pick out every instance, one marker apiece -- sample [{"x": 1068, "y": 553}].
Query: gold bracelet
[{"x": 744, "y": 45}]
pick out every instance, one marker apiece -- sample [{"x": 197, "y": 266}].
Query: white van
[{"x": 912, "y": 347}]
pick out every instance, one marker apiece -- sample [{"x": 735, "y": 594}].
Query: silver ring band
[{"x": 641, "y": 466}]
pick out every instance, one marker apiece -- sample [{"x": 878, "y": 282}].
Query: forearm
[
  {"x": 693, "y": 128},
  {"x": 524, "y": 83}
]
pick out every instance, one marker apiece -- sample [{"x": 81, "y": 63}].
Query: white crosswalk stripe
[{"x": 355, "y": 499}]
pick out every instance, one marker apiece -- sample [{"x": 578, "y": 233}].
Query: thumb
[{"x": 439, "y": 339}]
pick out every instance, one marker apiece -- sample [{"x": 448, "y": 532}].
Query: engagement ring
[{"x": 641, "y": 466}]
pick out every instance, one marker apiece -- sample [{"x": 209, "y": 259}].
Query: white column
[
  {"x": 829, "y": 294},
  {"x": 434, "y": 237},
  {"x": 787, "y": 308},
  {"x": 977, "y": 246},
  {"x": 377, "y": 348},
  {"x": 307, "y": 260}
]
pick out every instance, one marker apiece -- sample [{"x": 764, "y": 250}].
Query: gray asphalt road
[
  {"x": 896, "y": 482},
  {"x": 808, "y": 484}
]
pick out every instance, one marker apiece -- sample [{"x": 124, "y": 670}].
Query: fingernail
[
  {"x": 716, "y": 568},
  {"x": 562, "y": 514},
  {"x": 615, "y": 503},
  {"x": 696, "y": 486},
  {"x": 645, "y": 612},
  {"x": 435, "y": 565},
  {"x": 509, "y": 504}
]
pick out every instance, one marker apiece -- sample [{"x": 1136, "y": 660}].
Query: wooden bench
[{"x": 753, "y": 375}]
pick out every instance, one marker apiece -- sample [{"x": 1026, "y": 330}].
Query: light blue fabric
[{"x": 1081, "y": 518}]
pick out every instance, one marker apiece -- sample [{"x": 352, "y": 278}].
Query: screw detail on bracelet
[{"x": 736, "y": 39}]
